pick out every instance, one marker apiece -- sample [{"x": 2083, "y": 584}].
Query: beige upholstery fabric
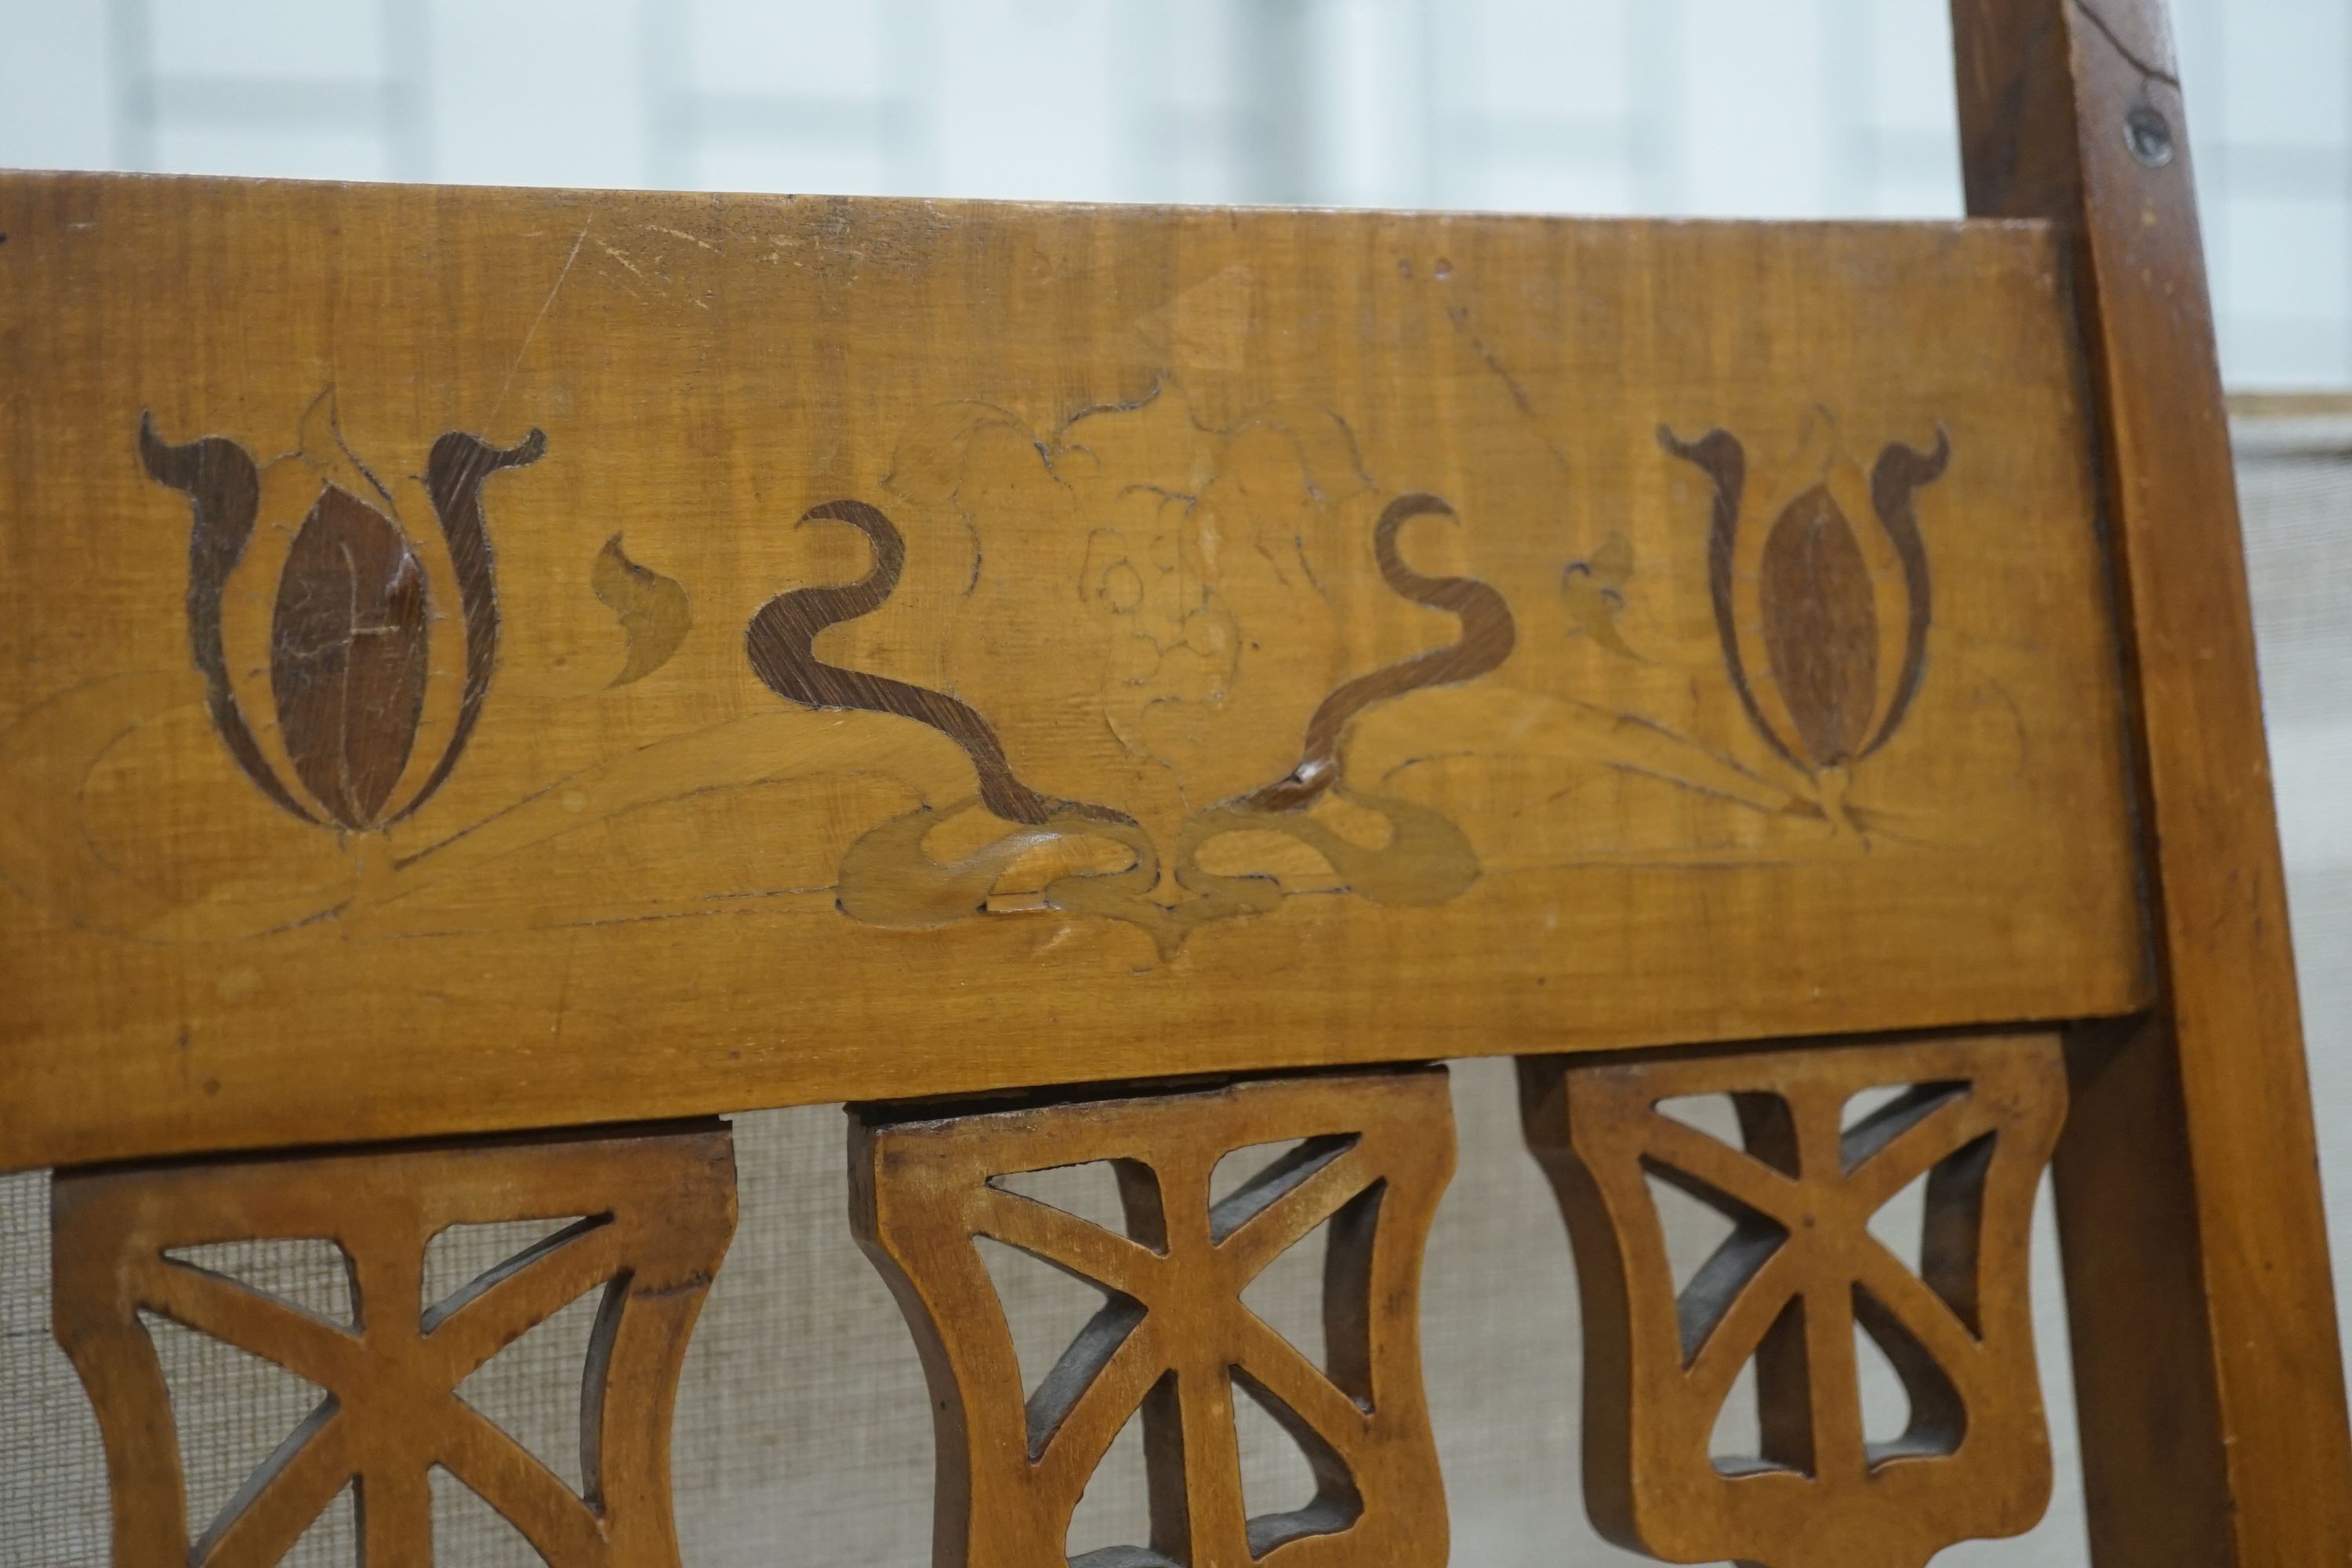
[{"x": 803, "y": 1433}]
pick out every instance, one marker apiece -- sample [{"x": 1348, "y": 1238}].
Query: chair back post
[{"x": 2205, "y": 1330}]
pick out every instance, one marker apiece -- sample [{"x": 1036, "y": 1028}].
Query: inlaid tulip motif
[
  {"x": 1823, "y": 621},
  {"x": 350, "y": 625}
]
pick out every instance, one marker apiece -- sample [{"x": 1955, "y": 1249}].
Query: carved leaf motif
[
  {"x": 1820, "y": 626},
  {"x": 347, "y": 655}
]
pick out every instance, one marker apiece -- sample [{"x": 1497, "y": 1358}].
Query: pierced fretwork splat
[
  {"x": 1796, "y": 1284},
  {"x": 1173, "y": 1337},
  {"x": 655, "y": 1212}
]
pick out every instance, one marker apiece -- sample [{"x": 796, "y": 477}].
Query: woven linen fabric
[{"x": 803, "y": 1433}]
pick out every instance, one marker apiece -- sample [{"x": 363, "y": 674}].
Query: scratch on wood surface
[
  {"x": 681, "y": 233},
  {"x": 621, "y": 257},
  {"x": 1460, "y": 316},
  {"x": 545, "y": 305},
  {"x": 659, "y": 279}
]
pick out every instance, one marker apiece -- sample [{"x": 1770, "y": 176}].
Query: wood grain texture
[
  {"x": 1173, "y": 1340},
  {"x": 1095, "y": 644},
  {"x": 660, "y": 1210},
  {"x": 347, "y": 657},
  {"x": 2189, "y": 1193},
  {"x": 1798, "y": 1276}
]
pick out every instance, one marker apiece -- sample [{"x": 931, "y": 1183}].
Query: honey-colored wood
[
  {"x": 659, "y": 1207},
  {"x": 474, "y": 659},
  {"x": 2215, "y": 1431},
  {"x": 1173, "y": 1337},
  {"x": 1791, "y": 1284}
]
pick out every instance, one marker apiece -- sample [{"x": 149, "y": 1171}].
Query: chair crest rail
[{"x": 684, "y": 633}]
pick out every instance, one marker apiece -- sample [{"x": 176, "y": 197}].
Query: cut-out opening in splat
[
  {"x": 1249, "y": 1181},
  {"x": 1951, "y": 1234},
  {"x": 1768, "y": 1132},
  {"x": 1934, "y": 1225},
  {"x": 239, "y": 1416},
  {"x": 1875, "y": 1118},
  {"x": 1757, "y": 1123},
  {"x": 1132, "y": 1514},
  {"x": 1064, "y": 1328},
  {"x": 1909, "y": 1407},
  {"x": 1119, "y": 1195},
  {"x": 1294, "y": 1483},
  {"x": 1862, "y": 1104},
  {"x": 1773, "y": 1392},
  {"x": 332, "y": 1538},
  {"x": 310, "y": 1273},
  {"x": 1709, "y": 1114},
  {"x": 233, "y": 1531},
  {"x": 1735, "y": 1446},
  {"x": 1900, "y": 1223},
  {"x": 462, "y": 1261},
  {"x": 515, "y": 1392},
  {"x": 1287, "y": 1295},
  {"x": 1347, "y": 1305},
  {"x": 1315, "y": 1295},
  {"x": 1887, "y": 1409},
  {"x": 1695, "y": 1229},
  {"x": 1236, "y": 1167},
  {"x": 467, "y": 1529},
  {"x": 1714, "y": 1246}
]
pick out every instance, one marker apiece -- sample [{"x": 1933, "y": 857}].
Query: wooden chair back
[{"x": 493, "y": 680}]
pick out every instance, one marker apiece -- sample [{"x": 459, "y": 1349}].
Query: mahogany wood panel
[
  {"x": 1173, "y": 1338},
  {"x": 1795, "y": 1278},
  {"x": 2188, "y": 1190},
  {"x": 658, "y": 1210},
  {"x": 475, "y": 659}
]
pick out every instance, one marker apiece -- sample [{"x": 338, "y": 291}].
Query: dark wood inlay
[
  {"x": 1901, "y": 473},
  {"x": 1720, "y": 456},
  {"x": 1818, "y": 604},
  {"x": 1820, "y": 626},
  {"x": 224, "y": 486},
  {"x": 782, "y": 639},
  {"x": 454, "y": 476},
  {"x": 347, "y": 655},
  {"x": 1487, "y": 635}
]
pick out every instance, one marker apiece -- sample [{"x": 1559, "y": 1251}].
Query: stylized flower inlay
[
  {"x": 1174, "y": 811},
  {"x": 1825, "y": 673},
  {"x": 350, "y": 629}
]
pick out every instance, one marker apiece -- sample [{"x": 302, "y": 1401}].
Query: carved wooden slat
[
  {"x": 659, "y": 1211},
  {"x": 1788, "y": 1286},
  {"x": 1173, "y": 1337}
]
